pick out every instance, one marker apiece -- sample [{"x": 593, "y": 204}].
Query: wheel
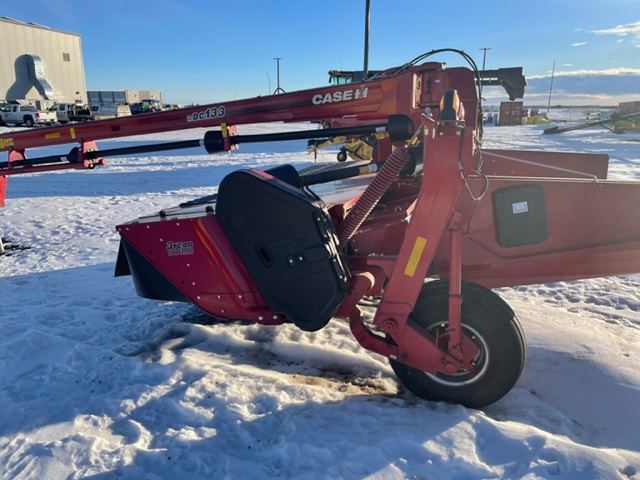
[
  {"x": 342, "y": 155},
  {"x": 491, "y": 324},
  {"x": 29, "y": 122}
]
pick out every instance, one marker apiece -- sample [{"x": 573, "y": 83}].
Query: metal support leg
[{"x": 455, "y": 283}]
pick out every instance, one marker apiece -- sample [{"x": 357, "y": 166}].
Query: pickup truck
[
  {"x": 100, "y": 112},
  {"x": 71, "y": 112},
  {"x": 26, "y": 115}
]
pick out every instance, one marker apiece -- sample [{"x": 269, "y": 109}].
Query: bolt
[
  {"x": 450, "y": 367},
  {"x": 390, "y": 325}
]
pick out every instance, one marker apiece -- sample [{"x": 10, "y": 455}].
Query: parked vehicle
[
  {"x": 27, "y": 115},
  {"x": 145, "y": 106},
  {"x": 101, "y": 112},
  {"x": 71, "y": 112}
]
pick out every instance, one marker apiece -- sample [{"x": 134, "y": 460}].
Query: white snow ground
[{"x": 97, "y": 383}]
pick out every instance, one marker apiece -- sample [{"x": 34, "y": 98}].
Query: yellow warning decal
[
  {"x": 6, "y": 142},
  {"x": 49, "y": 136},
  {"x": 72, "y": 132},
  {"x": 414, "y": 258}
]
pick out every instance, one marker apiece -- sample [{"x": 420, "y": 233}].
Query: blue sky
[{"x": 205, "y": 51}]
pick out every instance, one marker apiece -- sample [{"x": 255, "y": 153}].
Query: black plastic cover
[
  {"x": 520, "y": 217},
  {"x": 287, "y": 243}
]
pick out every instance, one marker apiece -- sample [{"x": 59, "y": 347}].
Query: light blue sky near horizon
[{"x": 206, "y": 51}]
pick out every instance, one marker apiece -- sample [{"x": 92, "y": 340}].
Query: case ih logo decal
[
  {"x": 340, "y": 96},
  {"x": 211, "y": 112},
  {"x": 179, "y": 248}
]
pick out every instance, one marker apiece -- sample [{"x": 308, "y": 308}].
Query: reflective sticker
[
  {"x": 520, "y": 207},
  {"x": 414, "y": 258},
  {"x": 49, "y": 136}
]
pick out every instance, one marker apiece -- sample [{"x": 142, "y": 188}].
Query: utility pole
[
  {"x": 484, "y": 56},
  {"x": 278, "y": 89},
  {"x": 551, "y": 87},
  {"x": 367, "y": 8}
]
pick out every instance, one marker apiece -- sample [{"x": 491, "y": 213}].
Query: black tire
[
  {"x": 492, "y": 325},
  {"x": 342, "y": 155},
  {"x": 28, "y": 121}
]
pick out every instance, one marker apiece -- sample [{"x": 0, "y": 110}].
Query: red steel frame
[{"x": 408, "y": 92}]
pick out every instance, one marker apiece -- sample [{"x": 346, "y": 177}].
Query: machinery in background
[{"x": 626, "y": 118}]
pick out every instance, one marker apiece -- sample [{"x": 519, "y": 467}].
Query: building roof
[{"x": 35, "y": 25}]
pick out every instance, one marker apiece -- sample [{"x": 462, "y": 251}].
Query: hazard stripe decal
[{"x": 414, "y": 258}]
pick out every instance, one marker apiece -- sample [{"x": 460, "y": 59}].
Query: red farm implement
[{"x": 428, "y": 226}]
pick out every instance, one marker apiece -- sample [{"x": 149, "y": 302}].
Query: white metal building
[
  {"x": 115, "y": 97},
  {"x": 39, "y": 64}
]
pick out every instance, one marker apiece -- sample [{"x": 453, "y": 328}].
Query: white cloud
[
  {"x": 577, "y": 73},
  {"x": 607, "y": 86},
  {"x": 622, "y": 30},
  {"x": 561, "y": 97},
  {"x": 578, "y": 44}
]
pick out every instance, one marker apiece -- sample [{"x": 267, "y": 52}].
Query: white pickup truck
[
  {"x": 71, "y": 112},
  {"x": 27, "y": 115}
]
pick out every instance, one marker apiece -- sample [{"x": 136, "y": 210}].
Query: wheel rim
[{"x": 480, "y": 362}]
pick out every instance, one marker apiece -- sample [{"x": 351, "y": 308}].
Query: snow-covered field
[{"x": 98, "y": 383}]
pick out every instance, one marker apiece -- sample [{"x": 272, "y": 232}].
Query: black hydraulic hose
[
  {"x": 149, "y": 148},
  {"x": 340, "y": 174},
  {"x": 72, "y": 156},
  {"x": 213, "y": 141},
  {"x": 306, "y": 134}
]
